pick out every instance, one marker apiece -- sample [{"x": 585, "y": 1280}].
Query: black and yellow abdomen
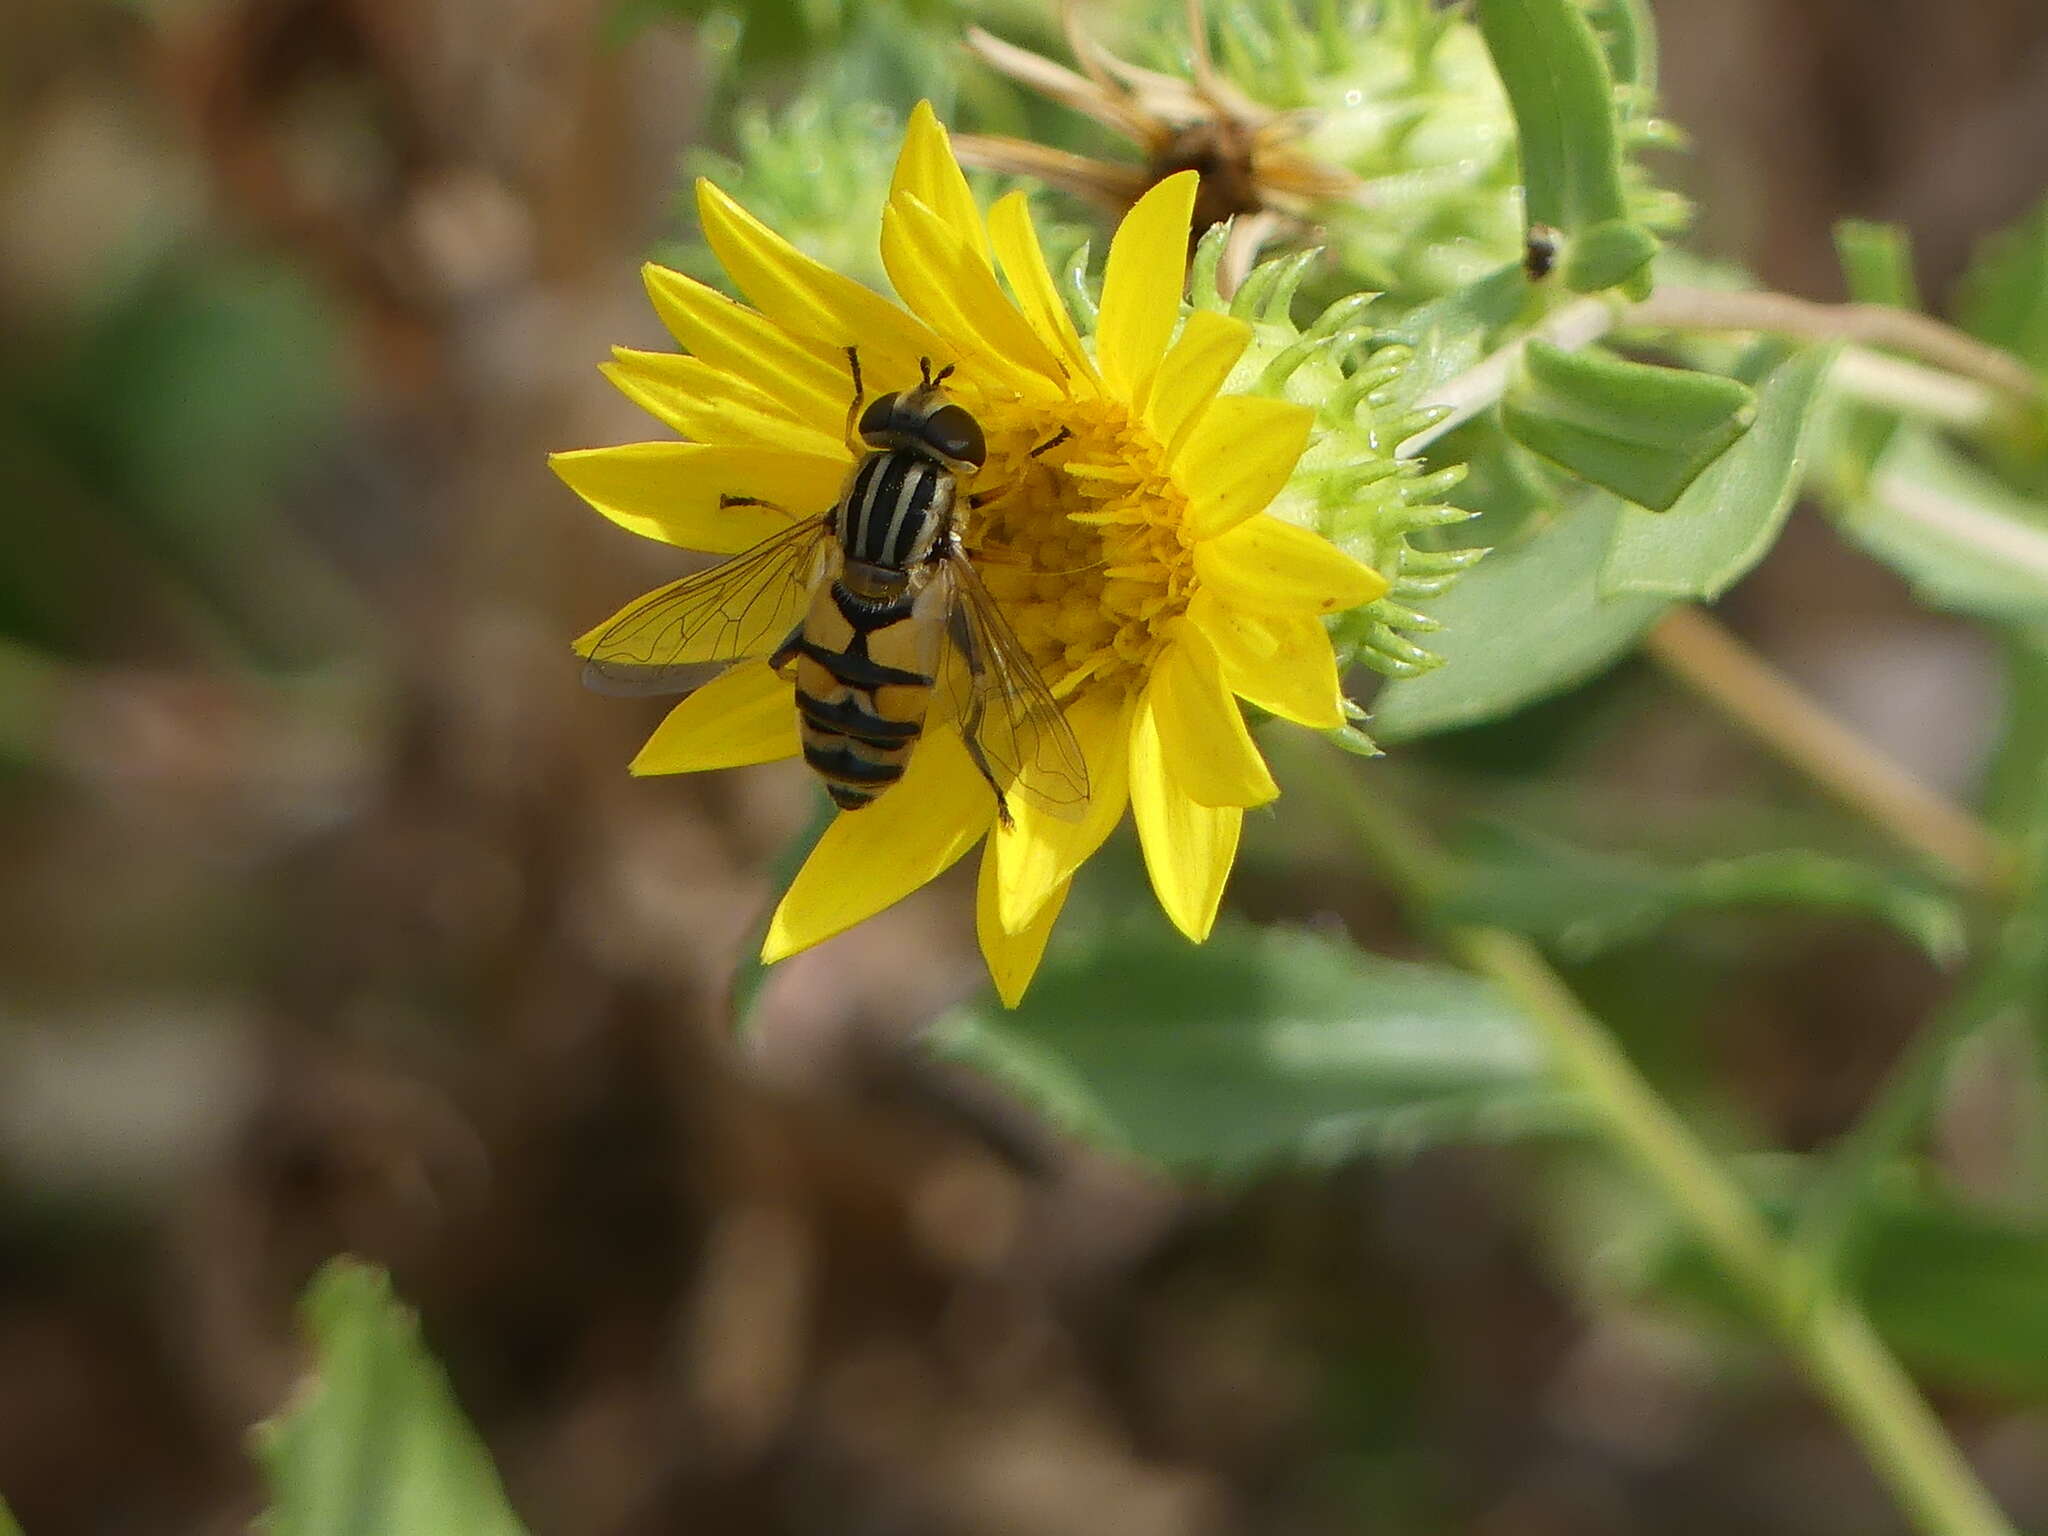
[
  {"x": 867, "y": 656},
  {"x": 864, "y": 674}
]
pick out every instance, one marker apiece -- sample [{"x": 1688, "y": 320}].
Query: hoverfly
[{"x": 872, "y": 608}]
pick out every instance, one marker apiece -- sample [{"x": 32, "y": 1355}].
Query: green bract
[{"x": 1349, "y": 486}]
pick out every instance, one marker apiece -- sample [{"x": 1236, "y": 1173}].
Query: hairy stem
[
  {"x": 1825, "y": 1333},
  {"x": 1913, "y": 389},
  {"x": 1694, "y": 648},
  {"x": 1878, "y": 325}
]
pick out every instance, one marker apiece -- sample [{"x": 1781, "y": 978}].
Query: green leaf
[
  {"x": 1452, "y": 333},
  {"x": 2016, "y": 804},
  {"x": 1959, "y": 1293},
  {"x": 1964, "y": 540},
  {"x": 1258, "y": 1047},
  {"x": 1877, "y": 266},
  {"x": 1956, "y": 1292},
  {"x": 1728, "y": 519},
  {"x": 1628, "y": 34},
  {"x": 1525, "y": 623},
  {"x": 1877, "y": 263},
  {"x": 1608, "y": 255},
  {"x": 2003, "y": 298},
  {"x": 1582, "y": 903},
  {"x": 1643, "y": 432},
  {"x": 2016, "y": 781},
  {"x": 8, "y": 1527},
  {"x": 1507, "y": 489},
  {"x": 376, "y": 1443},
  {"x": 1563, "y": 100}
]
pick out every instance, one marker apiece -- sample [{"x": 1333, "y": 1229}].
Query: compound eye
[
  {"x": 954, "y": 433},
  {"x": 876, "y": 420}
]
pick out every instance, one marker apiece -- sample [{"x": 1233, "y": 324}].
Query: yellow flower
[{"x": 1135, "y": 560}]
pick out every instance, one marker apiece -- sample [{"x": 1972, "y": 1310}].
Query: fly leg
[
  {"x": 980, "y": 499},
  {"x": 962, "y": 634},
  {"x": 783, "y": 658},
  {"x": 831, "y": 518}
]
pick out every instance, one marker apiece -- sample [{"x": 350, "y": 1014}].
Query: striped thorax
[{"x": 868, "y": 653}]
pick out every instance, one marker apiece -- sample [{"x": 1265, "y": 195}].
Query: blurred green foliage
[
  {"x": 1583, "y": 902},
  {"x": 374, "y": 1441},
  {"x": 1261, "y": 1048},
  {"x": 148, "y": 446}
]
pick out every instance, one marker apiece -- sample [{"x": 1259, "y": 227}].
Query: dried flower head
[{"x": 1252, "y": 167}]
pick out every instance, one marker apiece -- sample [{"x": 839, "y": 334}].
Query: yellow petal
[
  {"x": 809, "y": 298},
  {"x": 747, "y": 714},
  {"x": 1237, "y": 458},
  {"x": 1269, "y": 566},
  {"x": 710, "y": 405},
  {"x": 956, "y": 293},
  {"x": 672, "y": 491},
  {"x": 1012, "y": 957},
  {"x": 1196, "y": 365},
  {"x": 1141, "y": 285},
  {"x": 872, "y": 858},
  {"x": 1283, "y": 665},
  {"x": 1017, "y": 248},
  {"x": 1201, "y": 730},
  {"x": 810, "y": 379},
  {"x": 1039, "y": 854},
  {"x": 1188, "y": 847},
  {"x": 927, "y": 171}
]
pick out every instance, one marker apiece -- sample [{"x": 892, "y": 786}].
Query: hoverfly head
[{"x": 924, "y": 421}]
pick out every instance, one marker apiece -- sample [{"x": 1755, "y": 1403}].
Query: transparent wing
[
  {"x": 1007, "y": 715},
  {"x": 680, "y": 635}
]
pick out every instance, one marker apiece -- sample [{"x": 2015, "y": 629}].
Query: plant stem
[
  {"x": 1878, "y": 325},
  {"x": 1827, "y": 1335},
  {"x": 1913, "y": 389},
  {"x": 1699, "y": 652}
]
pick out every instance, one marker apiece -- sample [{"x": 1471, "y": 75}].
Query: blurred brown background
[{"x": 331, "y": 920}]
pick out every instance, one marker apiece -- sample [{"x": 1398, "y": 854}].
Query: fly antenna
[{"x": 853, "y": 441}]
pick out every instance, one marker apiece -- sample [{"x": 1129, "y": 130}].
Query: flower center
[{"x": 1082, "y": 544}]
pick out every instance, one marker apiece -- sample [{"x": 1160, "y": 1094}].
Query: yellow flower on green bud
[{"x": 1135, "y": 560}]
